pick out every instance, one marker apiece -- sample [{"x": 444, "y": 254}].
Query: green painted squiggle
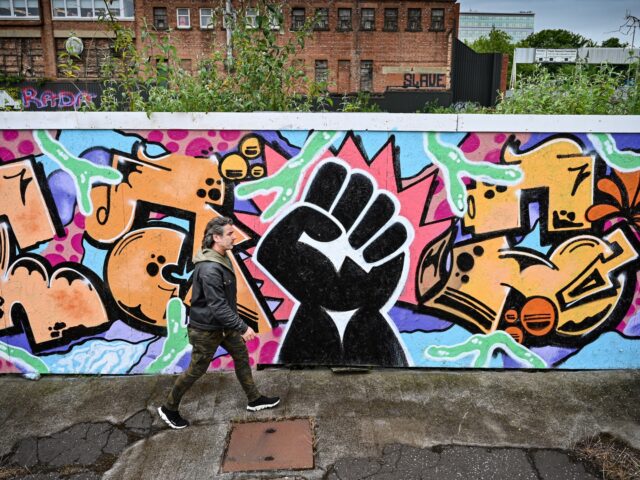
[
  {"x": 481, "y": 348},
  {"x": 606, "y": 147},
  {"x": 83, "y": 172},
  {"x": 454, "y": 166},
  {"x": 177, "y": 339},
  {"x": 22, "y": 359},
  {"x": 286, "y": 181}
]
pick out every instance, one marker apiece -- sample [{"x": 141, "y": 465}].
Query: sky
[{"x": 594, "y": 19}]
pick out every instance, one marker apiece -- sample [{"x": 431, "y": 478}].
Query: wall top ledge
[{"x": 387, "y": 122}]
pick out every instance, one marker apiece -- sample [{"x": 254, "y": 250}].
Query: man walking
[{"x": 214, "y": 321}]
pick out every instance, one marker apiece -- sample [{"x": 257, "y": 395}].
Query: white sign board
[{"x": 556, "y": 55}]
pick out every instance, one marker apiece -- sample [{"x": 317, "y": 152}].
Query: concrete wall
[{"x": 362, "y": 239}]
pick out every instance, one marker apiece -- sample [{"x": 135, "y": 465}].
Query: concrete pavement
[{"x": 382, "y": 424}]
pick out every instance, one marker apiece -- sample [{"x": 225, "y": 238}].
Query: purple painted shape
[
  {"x": 460, "y": 235},
  {"x": 245, "y": 206},
  {"x": 121, "y": 331},
  {"x": 64, "y": 194},
  {"x": 553, "y": 355},
  {"x": 274, "y": 304},
  {"x": 278, "y": 143},
  {"x": 18, "y": 340},
  {"x": 63, "y": 189},
  {"x": 183, "y": 363},
  {"x": 632, "y": 328},
  {"x": 409, "y": 321}
]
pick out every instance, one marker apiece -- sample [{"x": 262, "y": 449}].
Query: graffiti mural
[{"x": 398, "y": 249}]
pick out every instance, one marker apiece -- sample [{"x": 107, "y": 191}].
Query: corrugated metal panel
[{"x": 475, "y": 78}]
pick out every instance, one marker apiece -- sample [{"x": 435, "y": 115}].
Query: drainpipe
[{"x": 228, "y": 13}]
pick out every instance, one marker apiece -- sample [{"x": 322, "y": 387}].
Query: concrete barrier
[{"x": 388, "y": 240}]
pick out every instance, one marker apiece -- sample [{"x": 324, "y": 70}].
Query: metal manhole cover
[{"x": 274, "y": 445}]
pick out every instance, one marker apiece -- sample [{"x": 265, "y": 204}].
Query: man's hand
[{"x": 250, "y": 334}]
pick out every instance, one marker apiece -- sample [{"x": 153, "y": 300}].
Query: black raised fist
[{"x": 341, "y": 253}]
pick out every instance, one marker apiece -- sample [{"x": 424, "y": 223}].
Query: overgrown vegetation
[
  {"x": 559, "y": 89},
  {"x": 611, "y": 458},
  {"x": 257, "y": 72}
]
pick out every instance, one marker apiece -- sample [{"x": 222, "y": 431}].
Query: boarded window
[{"x": 366, "y": 75}]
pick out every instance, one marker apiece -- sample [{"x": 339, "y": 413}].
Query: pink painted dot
[
  {"x": 229, "y": 135},
  {"x": 230, "y": 365},
  {"x": 155, "y": 136},
  {"x": 222, "y": 146},
  {"x": 10, "y": 135},
  {"x": 25, "y": 147},
  {"x": 66, "y": 232},
  {"x": 73, "y": 258},
  {"x": 59, "y": 248},
  {"x": 79, "y": 220},
  {"x": 499, "y": 138},
  {"x": 54, "y": 259},
  {"x": 277, "y": 332},
  {"x": 252, "y": 345},
  {"x": 443, "y": 211},
  {"x": 178, "y": 134},
  {"x": 268, "y": 352},
  {"x": 471, "y": 143},
  {"x": 252, "y": 362},
  {"x": 173, "y": 147},
  {"x": 6, "y": 154},
  {"x": 76, "y": 243},
  {"x": 212, "y": 133},
  {"x": 493, "y": 156},
  {"x": 216, "y": 363},
  {"x": 198, "y": 147}
]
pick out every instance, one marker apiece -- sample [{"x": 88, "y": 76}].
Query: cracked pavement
[{"x": 382, "y": 424}]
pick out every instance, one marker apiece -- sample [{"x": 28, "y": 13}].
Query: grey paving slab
[{"x": 554, "y": 465}]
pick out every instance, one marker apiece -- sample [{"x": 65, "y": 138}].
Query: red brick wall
[{"x": 394, "y": 54}]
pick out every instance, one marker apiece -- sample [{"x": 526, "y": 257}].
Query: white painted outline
[{"x": 385, "y": 122}]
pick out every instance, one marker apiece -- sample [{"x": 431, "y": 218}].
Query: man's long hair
[{"x": 214, "y": 227}]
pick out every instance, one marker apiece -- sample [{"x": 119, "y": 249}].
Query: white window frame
[
  {"x": 274, "y": 14},
  {"x": 251, "y": 18},
  {"x": 12, "y": 10},
  {"x": 95, "y": 5},
  {"x": 207, "y": 26},
  {"x": 178, "y": 16}
]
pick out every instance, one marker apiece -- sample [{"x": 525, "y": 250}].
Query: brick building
[{"x": 374, "y": 46}]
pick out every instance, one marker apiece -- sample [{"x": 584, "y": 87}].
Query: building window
[
  {"x": 321, "y": 19},
  {"x": 366, "y": 75},
  {"x": 160, "y": 18},
  {"x": 437, "y": 19},
  {"x": 344, "y": 19},
  {"x": 184, "y": 17},
  {"x": 322, "y": 71},
  {"x": 84, "y": 8},
  {"x": 19, "y": 8},
  {"x": 414, "y": 20},
  {"x": 297, "y": 19},
  {"x": 251, "y": 18},
  {"x": 206, "y": 18},
  {"x": 391, "y": 19},
  {"x": 367, "y": 19},
  {"x": 274, "y": 14}
]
